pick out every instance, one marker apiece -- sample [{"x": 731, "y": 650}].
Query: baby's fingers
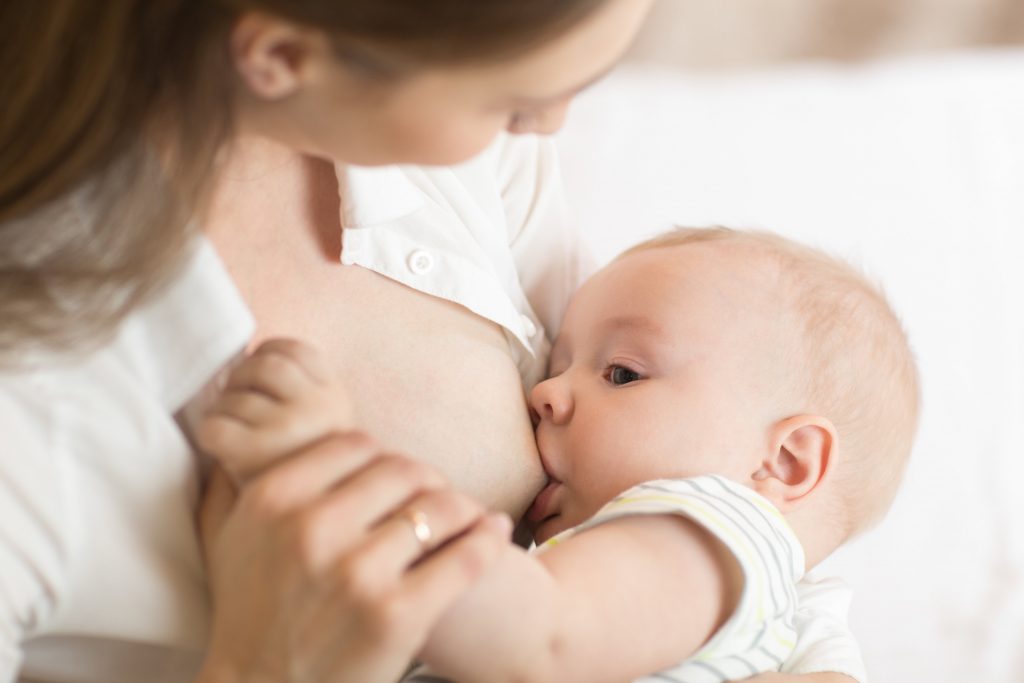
[
  {"x": 276, "y": 375},
  {"x": 249, "y": 407},
  {"x": 233, "y": 443},
  {"x": 282, "y": 368},
  {"x": 306, "y": 356}
]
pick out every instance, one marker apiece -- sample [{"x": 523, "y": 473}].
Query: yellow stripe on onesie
[{"x": 759, "y": 635}]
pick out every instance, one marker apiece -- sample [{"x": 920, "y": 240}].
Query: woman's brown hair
[{"x": 113, "y": 114}]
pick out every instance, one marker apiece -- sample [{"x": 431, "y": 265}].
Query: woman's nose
[{"x": 551, "y": 401}]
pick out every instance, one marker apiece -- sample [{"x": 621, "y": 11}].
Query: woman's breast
[{"x": 428, "y": 378}]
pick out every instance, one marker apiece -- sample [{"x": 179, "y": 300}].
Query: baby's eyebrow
[{"x": 636, "y": 323}]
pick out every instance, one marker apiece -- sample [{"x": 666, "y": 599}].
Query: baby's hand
[{"x": 281, "y": 398}]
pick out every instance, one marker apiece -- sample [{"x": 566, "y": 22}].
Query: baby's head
[{"x": 733, "y": 353}]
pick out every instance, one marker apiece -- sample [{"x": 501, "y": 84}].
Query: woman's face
[{"x": 446, "y": 115}]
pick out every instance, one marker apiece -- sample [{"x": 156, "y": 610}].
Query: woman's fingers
[
  {"x": 366, "y": 550},
  {"x": 303, "y": 477},
  {"x": 346, "y": 499},
  {"x": 439, "y": 579},
  {"x": 374, "y": 492},
  {"x": 387, "y": 503},
  {"x": 406, "y": 605},
  {"x": 421, "y": 525}
]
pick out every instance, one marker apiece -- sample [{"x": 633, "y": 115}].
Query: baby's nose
[{"x": 551, "y": 400}]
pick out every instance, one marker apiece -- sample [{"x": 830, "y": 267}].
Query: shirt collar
[
  {"x": 371, "y": 196},
  {"x": 178, "y": 341}
]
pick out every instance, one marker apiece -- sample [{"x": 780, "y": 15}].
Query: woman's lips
[{"x": 543, "y": 504}]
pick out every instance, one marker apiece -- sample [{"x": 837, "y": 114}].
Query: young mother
[{"x": 162, "y": 161}]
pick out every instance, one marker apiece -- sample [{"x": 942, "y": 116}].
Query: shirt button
[
  {"x": 529, "y": 326},
  {"x": 421, "y": 262}
]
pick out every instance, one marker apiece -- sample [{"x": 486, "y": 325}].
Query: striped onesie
[{"x": 759, "y": 635}]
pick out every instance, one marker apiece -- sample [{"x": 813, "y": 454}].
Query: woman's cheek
[
  {"x": 439, "y": 138},
  {"x": 463, "y": 142}
]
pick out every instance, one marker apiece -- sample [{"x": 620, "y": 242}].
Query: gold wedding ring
[{"x": 420, "y": 527}]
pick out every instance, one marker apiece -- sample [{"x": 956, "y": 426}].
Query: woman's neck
[{"x": 269, "y": 196}]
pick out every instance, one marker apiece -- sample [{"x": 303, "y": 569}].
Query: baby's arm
[{"x": 618, "y": 601}]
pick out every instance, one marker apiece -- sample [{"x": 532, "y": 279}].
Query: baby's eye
[{"x": 619, "y": 375}]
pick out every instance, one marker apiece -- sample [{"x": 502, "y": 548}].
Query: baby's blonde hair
[{"x": 860, "y": 372}]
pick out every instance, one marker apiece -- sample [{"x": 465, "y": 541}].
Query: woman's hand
[{"x": 320, "y": 568}]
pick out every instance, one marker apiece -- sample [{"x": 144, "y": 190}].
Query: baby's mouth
[{"x": 544, "y": 505}]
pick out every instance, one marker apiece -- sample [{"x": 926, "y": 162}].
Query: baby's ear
[{"x": 801, "y": 454}]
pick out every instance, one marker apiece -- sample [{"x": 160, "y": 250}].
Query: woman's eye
[{"x": 619, "y": 375}]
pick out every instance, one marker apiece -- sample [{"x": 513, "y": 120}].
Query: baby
[{"x": 724, "y": 409}]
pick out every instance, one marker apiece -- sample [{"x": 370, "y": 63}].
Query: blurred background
[
  {"x": 891, "y": 133},
  {"x": 732, "y": 33}
]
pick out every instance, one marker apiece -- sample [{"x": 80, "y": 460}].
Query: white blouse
[
  {"x": 493, "y": 234},
  {"x": 100, "y": 574}
]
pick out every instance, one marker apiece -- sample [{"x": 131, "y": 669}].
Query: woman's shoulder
[
  {"x": 36, "y": 418},
  {"x": 33, "y": 506},
  {"x": 25, "y": 420}
]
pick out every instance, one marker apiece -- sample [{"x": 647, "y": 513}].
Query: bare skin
[{"x": 292, "y": 280}]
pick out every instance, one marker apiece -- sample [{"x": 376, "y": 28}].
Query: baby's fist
[{"x": 280, "y": 398}]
